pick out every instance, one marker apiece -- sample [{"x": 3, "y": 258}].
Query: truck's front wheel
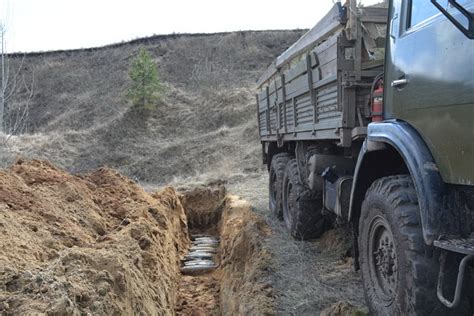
[
  {"x": 301, "y": 209},
  {"x": 398, "y": 274}
]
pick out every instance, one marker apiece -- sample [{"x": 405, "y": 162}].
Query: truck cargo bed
[{"x": 319, "y": 88}]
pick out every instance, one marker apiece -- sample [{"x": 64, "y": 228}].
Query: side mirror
[{"x": 469, "y": 30}]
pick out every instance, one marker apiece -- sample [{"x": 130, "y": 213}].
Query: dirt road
[{"x": 308, "y": 276}]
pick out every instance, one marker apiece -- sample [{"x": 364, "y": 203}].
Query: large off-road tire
[
  {"x": 275, "y": 183},
  {"x": 399, "y": 271},
  {"x": 301, "y": 209}
]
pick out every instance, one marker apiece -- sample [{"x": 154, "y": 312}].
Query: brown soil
[
  {"x": 91, "y": 244},
  {"x": 246, "y": 288},
  {"x": 97, "y": 243},
  {"x": 239, "y": 286},
  {"x": 198, "y": 295},
  {"x": 203, "y": 207}
]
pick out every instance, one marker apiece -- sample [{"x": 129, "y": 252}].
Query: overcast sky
[{"x": 39, "y": 25}]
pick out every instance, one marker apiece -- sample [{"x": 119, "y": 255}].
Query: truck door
[{"x": 429, "y": 82}]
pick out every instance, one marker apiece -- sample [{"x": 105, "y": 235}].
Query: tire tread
[
  {"x": 278, "y": 164},
  {"x": 400, "y": 193},
  {"x": 308, "y": 222}
]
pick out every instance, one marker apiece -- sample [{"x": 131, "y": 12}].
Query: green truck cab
[
  {"x": 376, "y": 133},
  {"x": 428, "y": 110},
  {"x": 437, "y": 62}
]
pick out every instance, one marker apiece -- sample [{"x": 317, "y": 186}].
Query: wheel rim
[
  {"x": 383, "y": 260},
  {"x": 290, "y": 200},
  {"x": 273, "y": 191}
]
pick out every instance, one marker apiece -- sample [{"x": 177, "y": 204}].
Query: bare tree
[
  {"x": 13, "y": 117},
  {"x": 4, "y": 20},
  {"x": 16, "y": 118},
  {"x": 3, "y": 90}
]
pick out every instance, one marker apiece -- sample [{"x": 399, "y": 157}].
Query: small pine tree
[{"x": 145, "y": 89}]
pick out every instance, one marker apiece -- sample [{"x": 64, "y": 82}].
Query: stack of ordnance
[{"x": 201, "y": 256}]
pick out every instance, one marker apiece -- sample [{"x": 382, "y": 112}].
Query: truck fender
[{"x": 436, "y": 219}]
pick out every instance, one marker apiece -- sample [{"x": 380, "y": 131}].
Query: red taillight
[{"x": 377, "y": 102}]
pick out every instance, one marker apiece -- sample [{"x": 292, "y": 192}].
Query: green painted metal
[
  {"x": 327, "y": 77},
  {"x": 437, "y": 62}
]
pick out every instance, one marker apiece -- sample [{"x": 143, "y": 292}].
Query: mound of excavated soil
[
  {"x": 246, "y": 288},
  {"x": 99, "y": 244},
  {"x": 86, "y": 244}
]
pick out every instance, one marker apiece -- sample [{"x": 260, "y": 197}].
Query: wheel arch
[
  {"x": 270, "y": 149},
  {"x": 397, "y": 148}
]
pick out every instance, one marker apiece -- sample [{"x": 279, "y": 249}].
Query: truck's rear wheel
[
  {"x": 398, "y": 271},
  {"x": 275, "y": 183},
  {"x": 301, "y": 209}
]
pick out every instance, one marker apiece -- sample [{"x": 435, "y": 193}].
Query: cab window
[{"x": 419, "y": 11}]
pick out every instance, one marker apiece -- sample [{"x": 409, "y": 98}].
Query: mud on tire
[
  {"x": 276, "y": 174},
  {"x": 399, "y": 272},
  {"x": 301, "y": 209}
]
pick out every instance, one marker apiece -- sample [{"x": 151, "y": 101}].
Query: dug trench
[
  {"x": 240, "y": 283},
  {"x": 97, "y": 243}
]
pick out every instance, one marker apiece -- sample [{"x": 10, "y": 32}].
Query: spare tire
[
  {"x": 275, "y": 183},
  {"x": 301, "y": 207}
]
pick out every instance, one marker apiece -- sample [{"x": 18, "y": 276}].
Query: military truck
[{"x": 367, "y": 122}]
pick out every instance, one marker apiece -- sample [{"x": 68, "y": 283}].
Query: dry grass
[
  {"x": 204, "y": 125},
  {"x": 308, "y": 276}
]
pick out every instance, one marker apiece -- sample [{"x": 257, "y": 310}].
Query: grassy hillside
[{"x": 80, "y": 119}]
